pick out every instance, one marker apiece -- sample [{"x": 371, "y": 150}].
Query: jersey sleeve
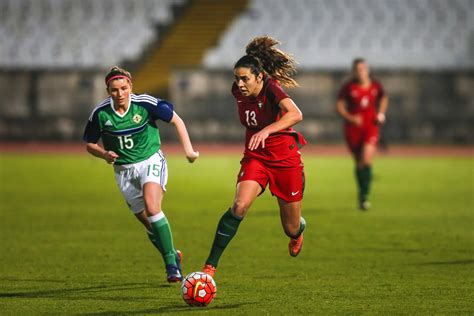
[
  {"x": 381, "y": 89},
  {"x": 158, "y": 109},
  {"x": 343, "y": 92},
  {"x": 276, "y": 93},
  {"x": 164, "y": 111},
  {"x": 92, "y": 131}
]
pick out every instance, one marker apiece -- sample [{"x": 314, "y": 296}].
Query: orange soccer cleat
[
  {"x": 295, "y": 245},
  {"x": 209, "y": 269}
]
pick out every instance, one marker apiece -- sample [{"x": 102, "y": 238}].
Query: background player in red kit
[
  {"x": 271, "y": 153},
  {"x": 362, "y": 103}
]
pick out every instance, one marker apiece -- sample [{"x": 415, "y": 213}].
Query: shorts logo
[
  {"x": 241, "y": 174},
  {"x": 137, "y": 118},
  {"x": 295, "y": 193}
]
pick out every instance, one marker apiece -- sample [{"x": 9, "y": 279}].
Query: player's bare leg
[
  {"x": 293, "y": 224},
  {"x": 246, "y": 193},
  {"x": 153, "y": 197},
  {"x": 368, "y": 153}
]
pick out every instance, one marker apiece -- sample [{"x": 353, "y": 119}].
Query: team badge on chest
[{"x": 137, "y": 118}]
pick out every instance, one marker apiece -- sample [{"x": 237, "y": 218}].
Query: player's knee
[
  {"x": 240, "y": 208},
  {"x": 152, "y": 210}
]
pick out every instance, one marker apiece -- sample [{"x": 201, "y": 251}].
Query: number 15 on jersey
[{"x": 126, "y": 142}]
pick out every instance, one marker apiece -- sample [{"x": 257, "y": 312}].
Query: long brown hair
[{"x": 262, "y": 56}]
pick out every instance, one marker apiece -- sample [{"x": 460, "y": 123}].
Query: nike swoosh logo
[
  {"x": 222, "y": 234},
  {"x": 295, "y": 193},
  {"x": 196, "y": 288}
]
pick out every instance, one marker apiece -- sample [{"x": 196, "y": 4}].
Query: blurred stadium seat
[
  {"x": 422, "y": 34},
  {"x": 69, "y": 34},
  {"x": 53, "y": 54}
]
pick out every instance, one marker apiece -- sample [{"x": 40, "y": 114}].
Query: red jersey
[
  {"x": 258, "y": 112},
  {"x": 362, "y": 100}
]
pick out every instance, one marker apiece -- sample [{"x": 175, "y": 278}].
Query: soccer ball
[{"x": 198, "y": 289}]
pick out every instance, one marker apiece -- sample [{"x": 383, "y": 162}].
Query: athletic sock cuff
[
  {"x": 156, "y": 217},
  {"x": 232, "y": 215}
]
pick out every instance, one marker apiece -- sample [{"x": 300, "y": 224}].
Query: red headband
[{"x": 117, "y": 77}]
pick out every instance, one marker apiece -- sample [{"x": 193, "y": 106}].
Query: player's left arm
[
  {"x": 292, "y": 116},
  {"x": 382, "y": 109},
  {"x": 183, "y": 136}
]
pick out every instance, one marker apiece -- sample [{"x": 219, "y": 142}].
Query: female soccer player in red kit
[
  {"x": 272, "y": 147},
  {"x": 362, "y": 103}
]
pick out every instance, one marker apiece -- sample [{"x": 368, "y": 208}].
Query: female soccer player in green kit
[{"x": 131, "y": 142}]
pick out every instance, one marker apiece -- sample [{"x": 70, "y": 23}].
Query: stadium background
[
  {"x": 54, "y": 54},
  {"x": 68, "y": 244}
]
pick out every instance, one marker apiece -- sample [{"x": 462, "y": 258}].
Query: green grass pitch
[{"x": 69, "y": 245}]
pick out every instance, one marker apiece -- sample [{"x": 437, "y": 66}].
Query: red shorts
[
  {"x": 287, "y": 183},
  {"x": 357, "y": 137}
]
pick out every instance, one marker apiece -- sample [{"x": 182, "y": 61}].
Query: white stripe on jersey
[
  {"x": 145, "y": 98},
  {"x": 144, "y": 95},
  {"x": 151, "y": 100},
  {"x": 128, "y": 129},
  {"x": 102, "y": 104},
  {"x": 139, "y": 98}
]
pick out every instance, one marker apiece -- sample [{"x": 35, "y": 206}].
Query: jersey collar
[{"x": 128, "y": 108}]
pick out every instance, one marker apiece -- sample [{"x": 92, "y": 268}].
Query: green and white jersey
[{"x": 134, "y": 136}]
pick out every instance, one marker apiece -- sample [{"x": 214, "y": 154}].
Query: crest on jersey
[
  {"x": 137, "y": 118},
  {"x": 260, "y": 104}
]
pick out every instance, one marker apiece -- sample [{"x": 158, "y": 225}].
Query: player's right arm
[
  {"x": 342, "y": 110},
  {"x": 92, "y": 134},
  {"x": 97, "y": 151}
]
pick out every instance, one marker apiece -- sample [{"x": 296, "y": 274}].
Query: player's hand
[
  {"x": 192, "y": 156},
  {"x": 380, "y": 118},
  {"x": 356, "y": 120},
  {"x": 257, "y": 139},
  {"x": 110, "y": 157}
]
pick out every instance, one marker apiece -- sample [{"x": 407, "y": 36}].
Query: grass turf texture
[{"x": 70, "y": 246}]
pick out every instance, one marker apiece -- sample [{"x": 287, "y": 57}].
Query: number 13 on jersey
[{"x": 251, "y": 118}]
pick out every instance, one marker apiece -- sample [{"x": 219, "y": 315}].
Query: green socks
[
  {"x": 226, "y": 229},
  {"x": 364, "y": 178},
  {"x": 301, "y": 229},
  {"x": 154, "y": 241},
  {"x": 162, "y": 237}
]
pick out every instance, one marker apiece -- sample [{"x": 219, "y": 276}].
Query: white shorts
[{"x": 131, "y": 178}]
